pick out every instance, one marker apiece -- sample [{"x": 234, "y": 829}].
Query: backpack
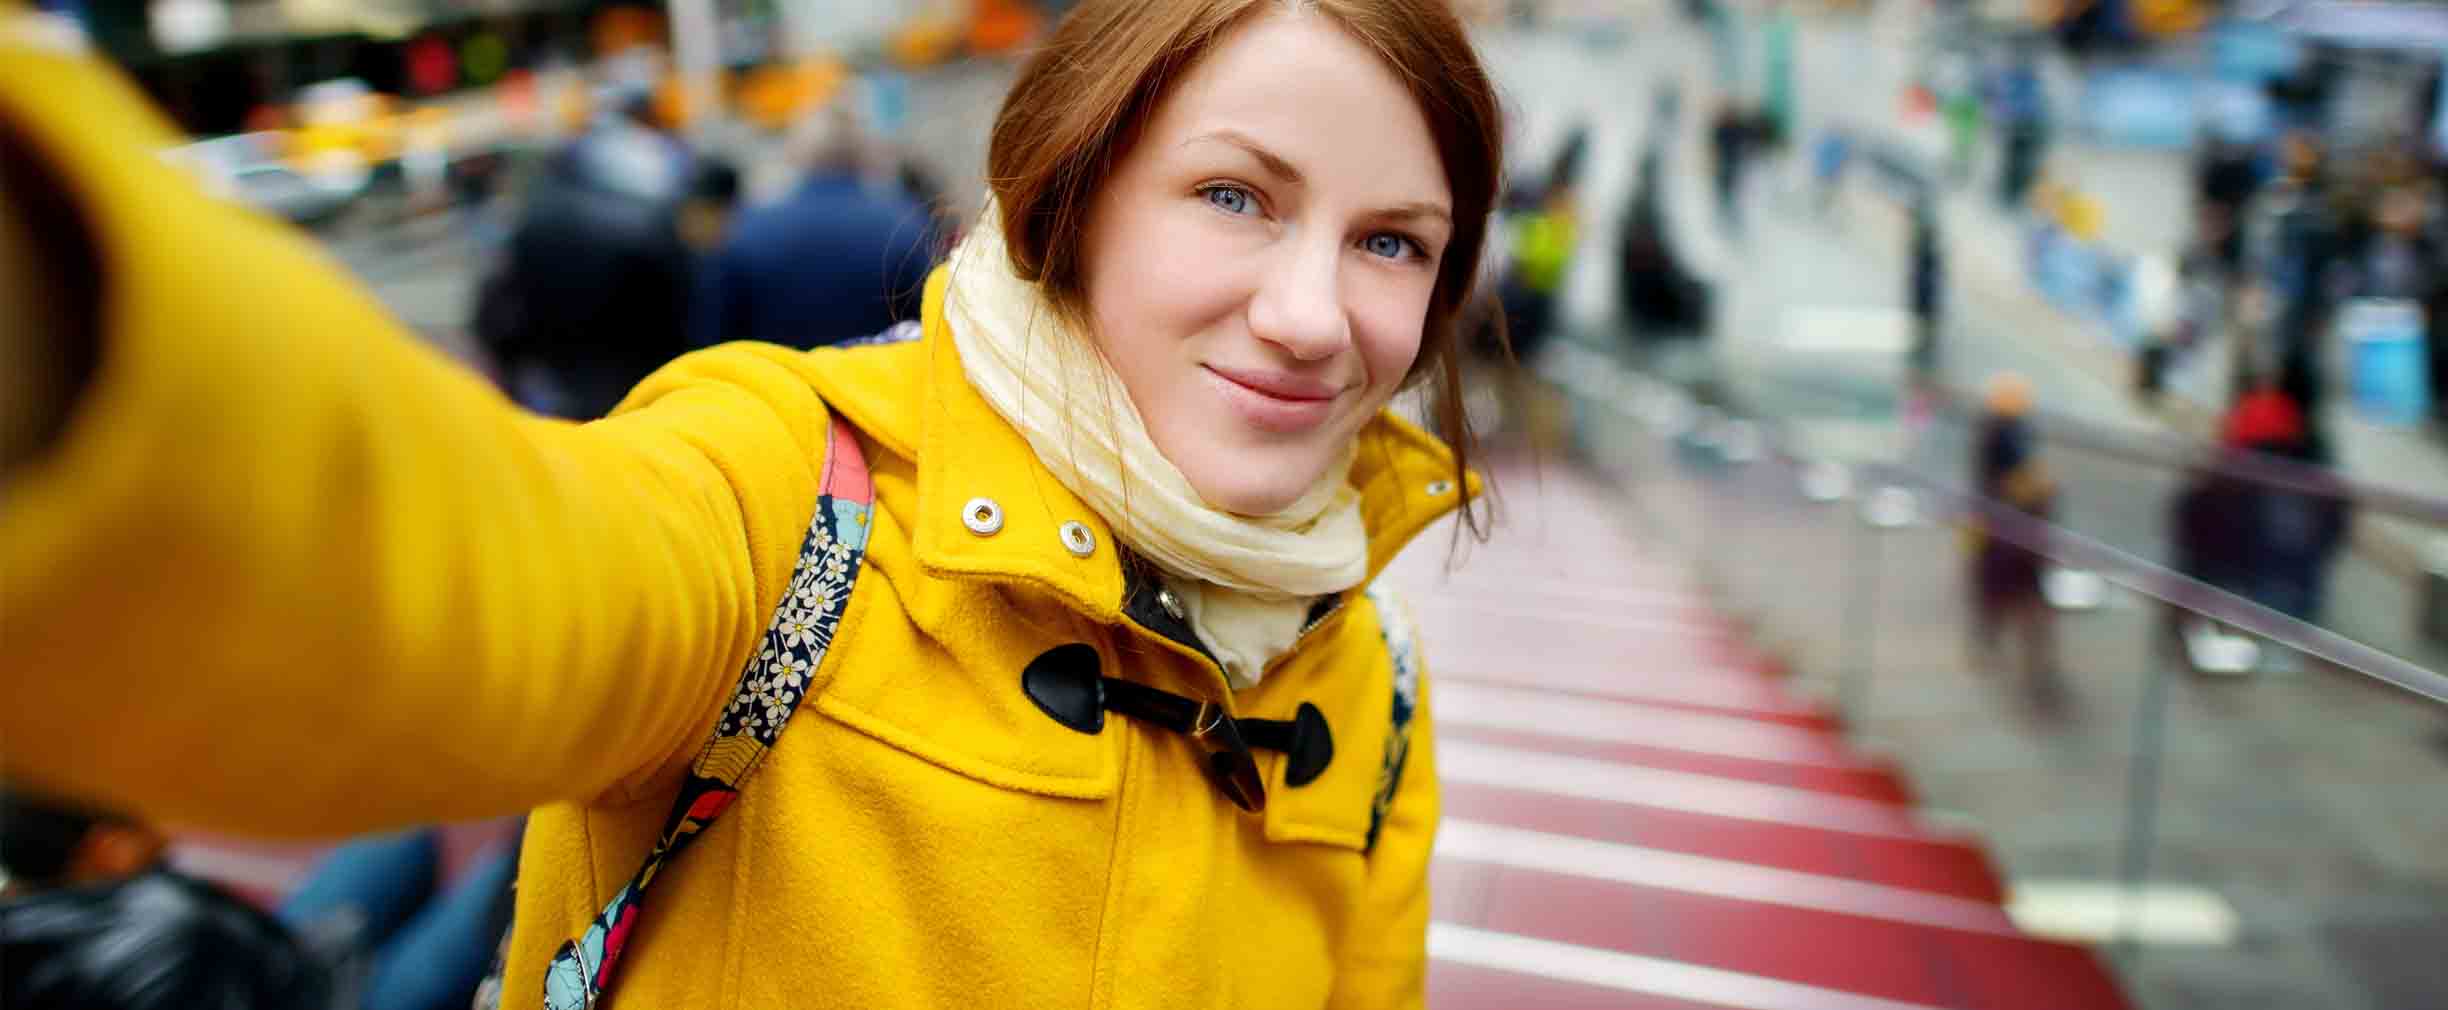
[{"x": 581, "y": 974}]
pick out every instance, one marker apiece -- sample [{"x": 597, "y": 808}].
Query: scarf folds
[{"x": 1245, "y": 582}]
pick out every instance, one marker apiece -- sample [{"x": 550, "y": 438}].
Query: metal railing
[{"x": 1849, "y": 564}]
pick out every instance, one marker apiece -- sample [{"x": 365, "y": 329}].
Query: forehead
[{"x": 1300, "y": 85}]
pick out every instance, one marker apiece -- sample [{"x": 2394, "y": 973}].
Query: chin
[{"x": 1254, "y": 488}]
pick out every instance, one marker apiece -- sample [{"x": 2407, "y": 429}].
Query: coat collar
[{"x": 966, "y": 453}]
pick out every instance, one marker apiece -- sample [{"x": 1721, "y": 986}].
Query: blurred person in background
[
  {"x": 1660, "y": 293},
  {"x": 592, "y": 294},
  {"x": 2273, "y": 545},
  {"x": 2399, "y": 257},
  {"x": 2019, "y": 99},
  {"x": 1540, "y": 243},
  {"x": 713, "y": 199},
  {"x": 2295, "y": 533},
  {"x": 2291, "y": 236},
  {"x": 836, "y": 258},
  {"x": 2005, "y": 576},
  {"x": 1730, "y": 143},
  {"x": 628, "y": 151},
  {"x": 94, "y": 918},
  {"x": 2226, "y": 175},
  {"x": 1925, "y": 294},
  {"x": 593, "y": 290},
  {"x": 419, "y": 941},
  {"x": 2265, "y": 416},
  {"x": 2090, "y": 28},
  {"x": 2211, "y": 524},
  {"x": 1224, "y": 235},
  {"x": 2157, "y": 308},
  {"x": 1564, "y": 170}
]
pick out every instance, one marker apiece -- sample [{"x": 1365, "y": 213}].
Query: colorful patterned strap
[
  {"x": 771, "y": 687},
  {"x": 1394, "y": 624}
]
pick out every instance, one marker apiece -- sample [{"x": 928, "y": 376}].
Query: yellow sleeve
[
  {"x": 291, "y": 571},
  {"x": 1388, "y": 965}
]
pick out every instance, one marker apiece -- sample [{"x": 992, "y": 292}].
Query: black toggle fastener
[{"x": 1066, "y": 683}]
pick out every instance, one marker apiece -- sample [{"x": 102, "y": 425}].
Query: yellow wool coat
[{"x": 291, "y": 572}]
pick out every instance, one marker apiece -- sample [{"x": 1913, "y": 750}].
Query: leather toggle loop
[{"x": 1066, "y": 683}]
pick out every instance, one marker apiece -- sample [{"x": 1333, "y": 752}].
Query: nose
[{"x": 1299, "y": 303}]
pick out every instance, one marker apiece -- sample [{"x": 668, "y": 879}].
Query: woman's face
[{"x": 1259, "y": 264}]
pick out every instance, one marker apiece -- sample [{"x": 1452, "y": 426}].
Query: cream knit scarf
[{"x": 1246, "y": 582}]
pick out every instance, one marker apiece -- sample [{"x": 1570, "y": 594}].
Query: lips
[{"x": 1277, "y": 402}]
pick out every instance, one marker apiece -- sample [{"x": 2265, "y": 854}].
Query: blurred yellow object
[
  {"x": 2169, "y": 17},
  {"x": 2077, "y": 213},
  {"x": 363, "y": 126},
  {"x": 572, "y": 107},
  {"x": 671, "y": 99},
  {"x": 2081, "y": 215},
  {"x": 926, "y": 41},
  {"x": 774, "y": 97},
  {"x": 1543, "y": 243}
]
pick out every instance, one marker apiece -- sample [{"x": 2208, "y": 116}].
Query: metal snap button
[
  {"x": 1439, "y": 487},
  {"x": 1077, "y": 539},
  {"x": 1172, "y": 604},
  {"x": 982, "y": 516}
]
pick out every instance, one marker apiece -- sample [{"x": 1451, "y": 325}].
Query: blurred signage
[
  {"x": 2252, "y": 50},
  {"x": 2389, "y": 373},
  {"x": 2143, "y": 108},
  {"x": 2372, "y": 24}
]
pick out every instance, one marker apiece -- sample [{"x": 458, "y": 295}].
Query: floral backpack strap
[
  {"x": 770, "y": 689},
  {"x": 1394, "y": 625}
]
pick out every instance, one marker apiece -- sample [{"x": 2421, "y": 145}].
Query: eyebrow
[
  {"x": 1269, "y": 160},
  {"x": 1275, "y": 165},
  {"x": 1417, "y": 211}
]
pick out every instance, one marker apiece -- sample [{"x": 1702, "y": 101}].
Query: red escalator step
[
  {"x": 1578, "y": 715},
  {"x": 1855, "y": 780},
  {"x": 1931, "y": 863},
  {"x": 1457, "y": 889},
  {"x": 1471, "y": 987},
  {"x": 1735, "y": 693},
  {"x": 1885, "y": 958}
]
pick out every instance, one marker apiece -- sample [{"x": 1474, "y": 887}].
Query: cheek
[
  {"x": 1163, "y": 271},
  {"x": 1387, "y": 328}
]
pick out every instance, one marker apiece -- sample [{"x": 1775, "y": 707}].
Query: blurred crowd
[{"x": 632, "y": 248}]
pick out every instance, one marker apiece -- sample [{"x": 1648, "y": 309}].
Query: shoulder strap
[
  {"x": 1394, "y": 625},
  {"x": 771, "y": 686}
]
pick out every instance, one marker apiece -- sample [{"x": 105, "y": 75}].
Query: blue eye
[
  {"x": 1389, "y": 245},
  {"x": 1229, "y": 199}
]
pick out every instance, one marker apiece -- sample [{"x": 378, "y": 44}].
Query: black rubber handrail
[
  {"x": 2178, "y": 452},
  {"x": 2076, "y": 550}
]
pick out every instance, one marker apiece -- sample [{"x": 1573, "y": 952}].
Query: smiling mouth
[{"x": 1281, "y": 405}]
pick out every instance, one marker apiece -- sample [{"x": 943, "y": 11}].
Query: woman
[{"x": 273, "y": 567}]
